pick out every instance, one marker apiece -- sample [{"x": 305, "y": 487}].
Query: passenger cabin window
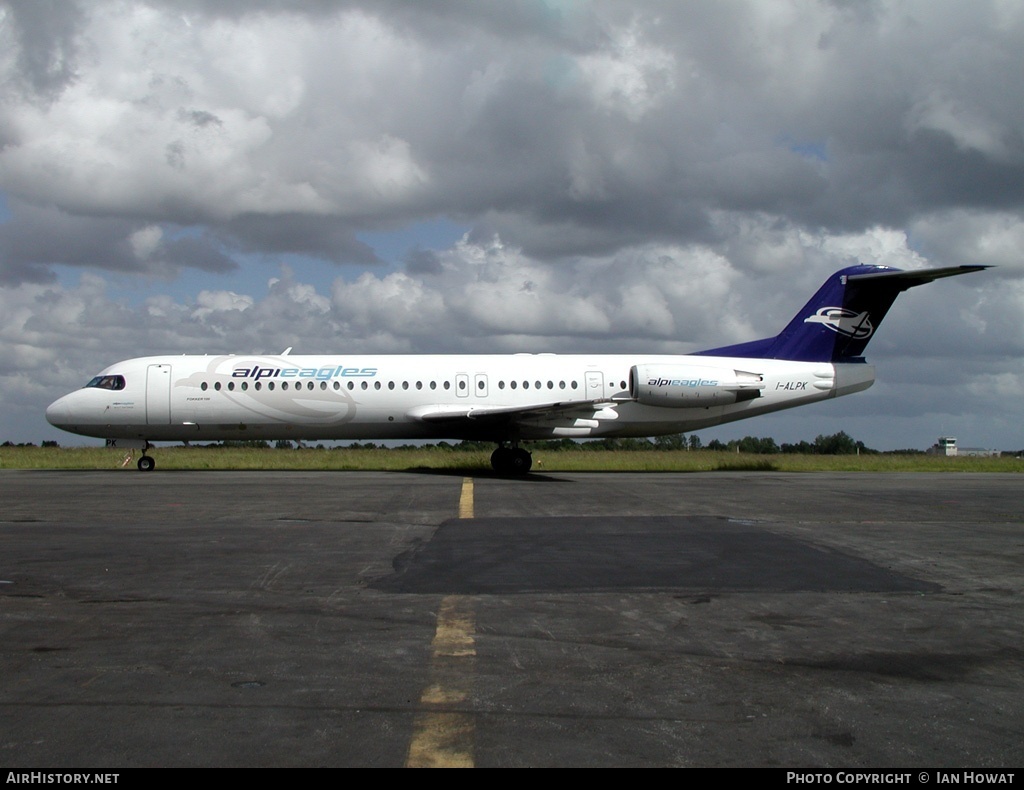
[{"x": 107, "y": 382}]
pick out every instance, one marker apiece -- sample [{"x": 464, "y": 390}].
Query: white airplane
[{"x": 505, "y": 398}]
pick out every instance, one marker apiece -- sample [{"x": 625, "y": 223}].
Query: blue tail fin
[{"x": 840, "y": 319}]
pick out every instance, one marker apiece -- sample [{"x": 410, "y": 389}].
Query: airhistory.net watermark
[{"x": 57, "y": 778}]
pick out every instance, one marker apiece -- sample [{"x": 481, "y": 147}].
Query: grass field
[{"x": 184, "y": 458}]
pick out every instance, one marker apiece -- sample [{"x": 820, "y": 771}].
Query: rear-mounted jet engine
[{"x": 690, "y": 386}]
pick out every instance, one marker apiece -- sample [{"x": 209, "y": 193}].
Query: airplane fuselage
[
  {"x": 175, "y": 398},
  {"x": 501, "y": 398}
]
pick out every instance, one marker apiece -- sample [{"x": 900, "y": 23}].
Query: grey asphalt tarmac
[{"x": 394, "y": 619}]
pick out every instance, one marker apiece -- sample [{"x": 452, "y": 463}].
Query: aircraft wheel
[
  {"x": 146, "y": 464},
  {"x": 511, "y": 461},
  {"x": 500, "y": 460},
  {"x": 520, "y": 461}
]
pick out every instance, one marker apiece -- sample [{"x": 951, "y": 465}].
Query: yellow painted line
[
  {"x": 455, "y": 626},
  {"x": 444, "y": 731},
  {"x": 439, "y": 742},
  {"x": 466, "y": 498}
]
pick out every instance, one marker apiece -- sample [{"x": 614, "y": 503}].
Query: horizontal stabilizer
[{"x": 910, "y": 279}]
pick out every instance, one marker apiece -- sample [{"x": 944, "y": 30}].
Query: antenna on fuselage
[{"x": 287, "y": 351}]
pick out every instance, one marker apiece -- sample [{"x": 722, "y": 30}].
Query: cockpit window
[{"x": 107, "y": 382}]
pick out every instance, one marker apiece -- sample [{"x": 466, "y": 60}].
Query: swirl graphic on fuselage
[{"x": 277, "y": 390}]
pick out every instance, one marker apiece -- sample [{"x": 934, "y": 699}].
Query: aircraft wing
[{"x": 453, "y": 414}]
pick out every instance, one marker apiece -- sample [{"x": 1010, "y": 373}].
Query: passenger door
[{"x": 158, "y": 395}]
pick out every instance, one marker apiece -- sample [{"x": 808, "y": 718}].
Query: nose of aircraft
[{"x": 58, "y": 414}]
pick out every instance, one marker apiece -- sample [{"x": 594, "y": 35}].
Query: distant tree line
[
  {"x": 834, "y": 444},
  {"x": 837, "y": 444}
]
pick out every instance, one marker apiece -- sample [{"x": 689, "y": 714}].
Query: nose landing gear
[
  {"x": 511, "y": 460},
  {"x": 146, "y": 463}
]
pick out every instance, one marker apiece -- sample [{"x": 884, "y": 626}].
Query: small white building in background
[{"x": 946, "y": 445}]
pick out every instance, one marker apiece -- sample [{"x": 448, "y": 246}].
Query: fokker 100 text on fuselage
[{"x": 506, "y": 399}]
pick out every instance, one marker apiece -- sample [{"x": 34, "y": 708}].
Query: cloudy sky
[{"x": 214, "y": 176}]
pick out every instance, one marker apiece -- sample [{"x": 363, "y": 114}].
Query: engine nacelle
[{"x": 691, "y": 386}]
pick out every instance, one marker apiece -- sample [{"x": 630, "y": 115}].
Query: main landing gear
[{"x": 511, "y": 460}]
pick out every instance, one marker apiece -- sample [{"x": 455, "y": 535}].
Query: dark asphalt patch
[{"x": 599, "y": 554}]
